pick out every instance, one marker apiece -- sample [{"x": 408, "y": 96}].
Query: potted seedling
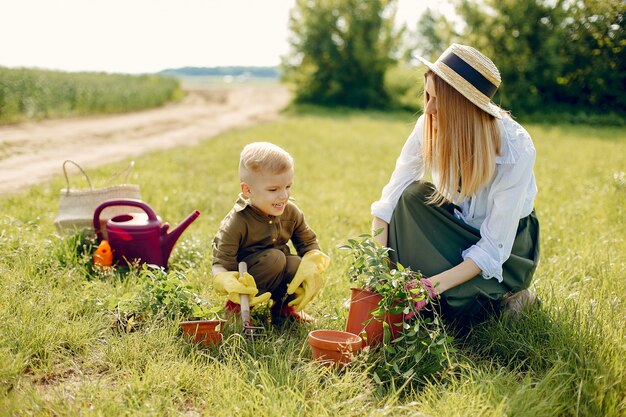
[
  {"x": 384, "y": 311},
  {"x": 167, "y": 295},
  {"x": 382, "y": 295},
  {"x": 204, "y": 325}
]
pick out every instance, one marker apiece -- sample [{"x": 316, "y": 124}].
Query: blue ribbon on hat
[{"x": 472, "y": 76}]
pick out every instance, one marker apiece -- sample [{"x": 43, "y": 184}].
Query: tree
[
  {"x": 340, "y": 51},
  {"x": 433, "y": 35},
  {"x": 567, "y": 53},
  {"x": 594, "y": 59},
  {"x": 521, "y": 38}
]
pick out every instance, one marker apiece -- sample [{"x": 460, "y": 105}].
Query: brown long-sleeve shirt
[{"x": 246, "y": 230}]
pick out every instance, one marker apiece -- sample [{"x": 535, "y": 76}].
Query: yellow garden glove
[
  {"x": 253, "y": 300},
  {"x": 231, "y": 284},
  {"x": 249, "y": 282},
  {"x": 308, "y": 277},
  {"x": 299, "y": 296}
]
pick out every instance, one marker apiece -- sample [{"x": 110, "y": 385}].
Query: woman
[{"x": 472, "y": 231}]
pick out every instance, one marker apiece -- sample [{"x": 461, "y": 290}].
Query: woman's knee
[{"x": 419, "y": 190}]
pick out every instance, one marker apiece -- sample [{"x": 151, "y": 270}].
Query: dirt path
[{"x": 34, "y": 152}]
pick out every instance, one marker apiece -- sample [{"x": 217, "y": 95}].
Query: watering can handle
[{"x": 120, "y": 202}]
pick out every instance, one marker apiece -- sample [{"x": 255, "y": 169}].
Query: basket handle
[
  {"x": 126, "y": 170},
  {"x": 67, "y": 178}
]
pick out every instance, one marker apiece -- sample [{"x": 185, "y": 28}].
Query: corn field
[{"x": 27, "y": 94}]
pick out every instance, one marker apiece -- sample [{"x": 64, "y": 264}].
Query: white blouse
[{"x": 495, "y": 209}]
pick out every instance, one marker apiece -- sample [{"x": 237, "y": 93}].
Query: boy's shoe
[
  {"x": 520, "y": 301},
  {"x": 288, "y": 313},
  {"x": 232, "y": 309}
]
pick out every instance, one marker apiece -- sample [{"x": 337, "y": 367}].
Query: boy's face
[{"x": 269, "y": 192}]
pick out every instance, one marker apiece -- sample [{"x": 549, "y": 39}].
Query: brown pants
[{"x": 273, "y": 271}]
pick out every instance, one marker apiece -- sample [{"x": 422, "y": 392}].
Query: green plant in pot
[
  {"x": 200, "y": 320},
  {"x": 166, "y": 295},
  {"x": 387, "y": 309},
  {"x": 204, "y": 325},
  {"x": 382, "y": 294}
]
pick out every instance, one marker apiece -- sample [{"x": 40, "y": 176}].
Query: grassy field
[
  {"x": 61, "y": 352},
  {"x": 27, "y": 94}
]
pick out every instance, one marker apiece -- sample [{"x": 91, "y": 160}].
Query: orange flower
[{"x": 103, "y": 256}]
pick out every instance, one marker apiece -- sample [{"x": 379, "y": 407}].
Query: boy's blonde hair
[
  {"x": 263, "y": 156},
  {"x": 462, "y": 149}
]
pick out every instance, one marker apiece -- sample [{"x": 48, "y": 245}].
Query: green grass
[{"x": 61, "y": 352}]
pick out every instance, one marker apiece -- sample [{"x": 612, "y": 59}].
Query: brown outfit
[{"x": 249, "y": 235}]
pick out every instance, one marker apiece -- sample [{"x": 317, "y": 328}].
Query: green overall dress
[{"x": 430, "y": 239}]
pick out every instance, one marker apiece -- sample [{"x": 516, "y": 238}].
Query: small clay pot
[
  {"x": 334, "y": 347},
  {"x": 362, "y": 303},
  {"x": 206, "y": 332}
]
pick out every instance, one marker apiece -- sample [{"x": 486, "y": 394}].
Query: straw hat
[{"x": 470, "y": 73}]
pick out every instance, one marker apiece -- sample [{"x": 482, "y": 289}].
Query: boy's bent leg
[
  {"x": 292, "y": 262},
  {"x": 268, "y": 269},
  {"x": 281, "y": 311}
]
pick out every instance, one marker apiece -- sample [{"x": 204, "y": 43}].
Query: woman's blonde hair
[
  {"x": 461, "y": 151},
  {"x": 263, "y": 156}
]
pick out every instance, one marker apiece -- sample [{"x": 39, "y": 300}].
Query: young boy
[{"x": 257, "y": 230}]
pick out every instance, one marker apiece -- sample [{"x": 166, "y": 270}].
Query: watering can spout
[{"x": 168, "y": 240}]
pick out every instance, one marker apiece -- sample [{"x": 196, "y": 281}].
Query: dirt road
[{"x": 34, "y": 152}]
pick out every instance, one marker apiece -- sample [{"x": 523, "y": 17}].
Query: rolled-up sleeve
[
  {"x": 226, "y": 242},
  {"x": 504, "y": 208},
  {"x": 409, "y": 168},
  {"x": 303, "y": 238}
]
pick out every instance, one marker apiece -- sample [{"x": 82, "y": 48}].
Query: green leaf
[
  {"x": 408, "y": 373},
  {"x": 396, "y": 368},
  {"x": 377, "y": 378}
]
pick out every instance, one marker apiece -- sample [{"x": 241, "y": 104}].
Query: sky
[{"x": 144, "y": 36}]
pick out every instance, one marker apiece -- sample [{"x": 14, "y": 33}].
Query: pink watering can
[{"x": 139, "y": 236}]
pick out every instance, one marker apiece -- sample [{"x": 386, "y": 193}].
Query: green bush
[
  {"x": 405, "y": 85},
  {"x": 560, "y": 114}
]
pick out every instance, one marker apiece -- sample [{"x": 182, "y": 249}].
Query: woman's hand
[
  {"x": 445, "y": 280},
  {"x": 431, "y": 294},
  {"x": 455, "y": 276},
  {"x": 382, "y": 236}
]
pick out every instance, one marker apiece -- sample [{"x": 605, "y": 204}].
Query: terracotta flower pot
[
  {"x": 334, "y": 347},
  {"x": 362, "y": 303},
  {"x": 207, "y": 332}
]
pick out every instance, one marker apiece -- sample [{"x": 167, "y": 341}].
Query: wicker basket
[{"x": 76, "y": 206}]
